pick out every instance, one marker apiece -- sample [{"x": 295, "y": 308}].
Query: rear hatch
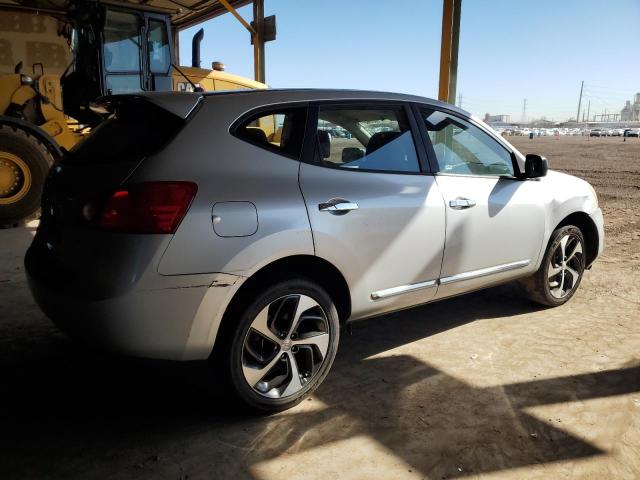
[{"x": 70, "y": 249}]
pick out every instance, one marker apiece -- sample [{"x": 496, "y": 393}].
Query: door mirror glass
[{"x": 535, "y": 166}]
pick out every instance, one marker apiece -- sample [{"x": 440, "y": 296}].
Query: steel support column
[
  {"x": 449, "y": 50},
  {"x": 258, "y": 41}
]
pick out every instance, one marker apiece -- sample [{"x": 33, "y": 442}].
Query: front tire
[
  {"x": 281, "y": 345},
  {"x": 561, "y": 270},
  {"x": 24, "y": 164}
]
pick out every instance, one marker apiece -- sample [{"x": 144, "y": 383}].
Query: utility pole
[
  {"x": 588, "y": 109},
  {"x": 460, "y": 100},
  {"x": 524, "y": 111},
  {"x": 579, "y": 102}
]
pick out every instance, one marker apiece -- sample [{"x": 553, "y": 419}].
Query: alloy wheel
[
  {"x": 566, "y": 266},
  {"x": 15, "y": 178},
  {"x": 285, "y": 346}
]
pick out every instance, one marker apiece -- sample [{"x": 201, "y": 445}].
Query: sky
[{"x": 509, "y": 51}]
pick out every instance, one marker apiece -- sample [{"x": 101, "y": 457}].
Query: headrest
[
  {"x": 349, "y": 154},
  {"x": 380, "y": 139},
  {"x": 324, "y": 140},
  {"x": 256, "y": 134}
]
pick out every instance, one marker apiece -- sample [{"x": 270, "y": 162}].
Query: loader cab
[
  {"x": 136, "y": 52},
  {"x": 115, "y": 51}
]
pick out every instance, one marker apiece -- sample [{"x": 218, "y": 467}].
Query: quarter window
[
  {"x": 122, "y": 47},
  {"x": 121, "y": 42},
  {"x": 280, "y": 130},
  {"x": 371, "y": 139},
  {"x": 462, "y": 148}
]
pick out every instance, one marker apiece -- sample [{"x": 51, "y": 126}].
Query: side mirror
[{"x": 535, "y": 166}]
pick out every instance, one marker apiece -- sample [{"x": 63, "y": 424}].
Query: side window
[
  {"x": 158, "y": 46},
  {"x": 122, "y": 45},
  {"x": 377, "y": 139},
  {"x": 463, "y": 148},
  {"x": 280, "y": 130}
]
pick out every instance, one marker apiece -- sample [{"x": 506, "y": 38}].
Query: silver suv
[{"x": 248, "y": 227}]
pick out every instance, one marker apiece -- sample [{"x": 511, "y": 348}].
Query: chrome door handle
[
  {"x": 337, "y": 206},
  {"x": 461, "y": 203}
]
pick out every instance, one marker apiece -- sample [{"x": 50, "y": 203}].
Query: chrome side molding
[
  {"x": 459, "y": 277},
  {"x": 392, "y": 292},
  {"x": 483, "y": 272}
]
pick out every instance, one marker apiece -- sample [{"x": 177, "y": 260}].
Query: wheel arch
[
  {"x": 307, "y": 266},
  {"x": 43, "y": 137},
  {"x": 589, "y": 230}
]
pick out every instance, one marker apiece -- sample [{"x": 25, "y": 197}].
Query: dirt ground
[{"x": 482, "y": 386}]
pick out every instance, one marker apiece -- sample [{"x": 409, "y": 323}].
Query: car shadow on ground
[{"x": 71, "y": 412}]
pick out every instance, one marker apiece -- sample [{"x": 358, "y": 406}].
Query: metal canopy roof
[{"x": 184, "y": 13}]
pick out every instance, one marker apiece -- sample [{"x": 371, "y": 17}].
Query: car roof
[
  {"x": 183, "y": 103},
  {"x": 324, "y": 94}
]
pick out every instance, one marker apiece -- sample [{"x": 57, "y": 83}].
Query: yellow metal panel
[
  {"x": 209, "y": 78},
  {"x": 22, "y": 95},
  {"x": 8, "y": 86},
  {"x": 56, "y": 124}
]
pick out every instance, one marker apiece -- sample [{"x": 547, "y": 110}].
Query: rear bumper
[{"x": 177, "y": 321}]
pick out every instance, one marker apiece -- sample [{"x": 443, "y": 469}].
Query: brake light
[{"x": 150, "y": 207}]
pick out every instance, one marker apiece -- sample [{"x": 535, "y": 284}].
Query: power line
[{"x": 579, "y": 101}]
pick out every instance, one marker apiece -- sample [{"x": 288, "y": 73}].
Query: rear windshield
[{"x": 136, "y": 130}]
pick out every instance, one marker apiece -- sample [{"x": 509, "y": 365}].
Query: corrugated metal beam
[
  {"x": 449, "y": 50},
  {"x": 235, "y": 13},
  {"x": 204, "y": 11}
]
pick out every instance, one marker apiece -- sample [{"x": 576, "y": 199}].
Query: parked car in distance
[
  {"x": 630, "y": 132},
  {"x": 233, "y": 227},
  {"x": 596, "y": 132}
]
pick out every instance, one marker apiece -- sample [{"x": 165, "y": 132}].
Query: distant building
[
  {"x": 497, "y": 118},
  {"x": 631, "y": 111}
]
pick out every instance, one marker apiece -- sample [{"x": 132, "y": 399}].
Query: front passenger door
[{"x": 495, "y": 221}]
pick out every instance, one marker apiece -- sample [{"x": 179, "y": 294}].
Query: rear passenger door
[{"x": 375, "y": 211}]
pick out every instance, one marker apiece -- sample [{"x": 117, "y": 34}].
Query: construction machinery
[{"x": 58, "y": 56}]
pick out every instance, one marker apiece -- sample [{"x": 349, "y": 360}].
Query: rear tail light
[{"x": 150, "y": 207}]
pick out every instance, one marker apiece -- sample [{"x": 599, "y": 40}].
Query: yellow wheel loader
[{"x": 56, "y": 58}]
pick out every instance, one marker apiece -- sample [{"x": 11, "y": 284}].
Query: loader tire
[{"x": 24, "y": 164}]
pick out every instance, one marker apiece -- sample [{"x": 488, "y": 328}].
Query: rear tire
[
  {"x": 279, "y": 348},
  {"x": 561, "y": 270},
  {"x": 24, "y": 164}
]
